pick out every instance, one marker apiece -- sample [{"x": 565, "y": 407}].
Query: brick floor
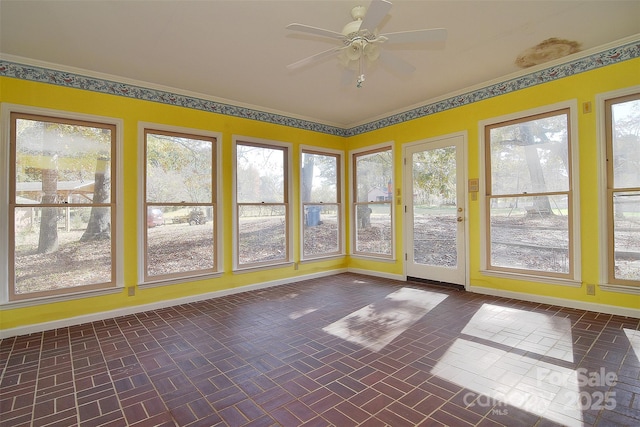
[{"x": 347, "y": 350}]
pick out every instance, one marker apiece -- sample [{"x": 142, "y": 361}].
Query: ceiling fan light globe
[
  {"x": 353, "y": 55},
  {"x": 355, "y": 50},
  {"x": 348, "y": 63},
  {"x": 371, "y": 51}
]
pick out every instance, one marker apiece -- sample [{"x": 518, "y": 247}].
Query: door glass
[{"x": 434, "y": 207}]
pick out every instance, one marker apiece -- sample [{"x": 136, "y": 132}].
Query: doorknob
[
  {"x": 460, "y": 219},
  {"x": 459, "y": 209}
]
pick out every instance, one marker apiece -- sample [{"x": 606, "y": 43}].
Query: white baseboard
[
  {"x": 562, "y": 302},
  {"x": 93, "y": 317},
  {"x": 581, "y": 305},
  {"x": 77, "y": 320}
]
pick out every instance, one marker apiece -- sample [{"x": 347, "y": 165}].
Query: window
[
  {"x": 373, "y": 202},
  {"x": 622, "y": 120},
  {"x": 529, "y": 198},
  {"x": 321, "y": 204},
  {"x": 180, "y": 205},
  {"x": 262, "y": 204},
  {"x": 62, "y": 207}
]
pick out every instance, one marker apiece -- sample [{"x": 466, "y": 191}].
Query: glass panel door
[{"x": 435, "y": 210}]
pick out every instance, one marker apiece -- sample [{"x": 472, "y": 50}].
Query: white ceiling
[{"x": 236, "y": 51}]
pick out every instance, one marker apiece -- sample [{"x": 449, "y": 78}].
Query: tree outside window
[
  {"x": 61, "y": 206},
  {"x": 321, "y": 208},
  {"x": 262, "y": 205},
  {"x": 180, "y": 208},
  {"x": 623, "y": 189},
  {"x": 372, "y": 207},
  {"x": 529, "y": 195}
]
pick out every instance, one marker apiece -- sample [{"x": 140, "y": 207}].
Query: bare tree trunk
[
  {"x": 307, "y": 178},
  {"x": 541, "y": 204},
  {"x": 99, "y": 226},
  {"x": 48, "y": 240}
]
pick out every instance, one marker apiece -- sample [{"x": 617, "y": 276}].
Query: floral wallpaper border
[
  {"x": 61, "y": 78},
  {"x": 598, "y": 60}
]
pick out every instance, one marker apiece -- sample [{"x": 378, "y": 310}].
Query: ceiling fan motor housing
[
  {"x": 352, "y": 29},
  {"x": 360, "y": 42}
]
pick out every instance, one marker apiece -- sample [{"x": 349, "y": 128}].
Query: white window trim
[
  {"x": 5, "y": 119},
  {"x": 352, "y": 235},
  {"x": 342, "y": 237},
  {"x": 601, "y": 132},
  {"x": 142, "y": 217},
  {"x": 234, "y": 202},
  {"x": 576, "y": 280}
]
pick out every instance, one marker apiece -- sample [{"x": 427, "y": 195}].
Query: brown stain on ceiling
[{"x": 546, "y": 51}]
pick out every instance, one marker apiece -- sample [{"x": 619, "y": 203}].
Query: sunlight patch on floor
[
  {"x": 298, "y": 314},
  {"x": 496, "y": 378},
  {"x": 539, "y": 333},
  {"x": 377, "y": 324},
  {"x": 634, "y": 338}
]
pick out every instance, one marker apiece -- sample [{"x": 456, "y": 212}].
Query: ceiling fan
[{"x": 359, "y": 40}]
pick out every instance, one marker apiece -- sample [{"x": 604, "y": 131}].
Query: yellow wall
[
  {"x": 132, "y": 111},
  {"x": 583, "y": 87}
]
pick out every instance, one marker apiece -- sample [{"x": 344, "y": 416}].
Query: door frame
[{"x": 406, "y": 184}]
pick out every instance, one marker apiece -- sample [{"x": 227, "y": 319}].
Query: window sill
[
  {"x": 322, "y": 258},
  {"x": 178, "y": 280},
  {"x": 531, "y": 278},
  {"x": 33, "y": 302}
]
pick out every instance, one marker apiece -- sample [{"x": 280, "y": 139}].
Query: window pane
[
  {"x": 62, "y": 163},
  {"x": 435, "y": 225},
  {"x": 434, "y": 235},
  {"x": 626, "y": 223},
  {"x": 321, "y": 230},
  {"x": 530, "y": 233},
  {"x": 179, "y": 169},
  {"x": 530, "y": 157},
  {"x": 373, "y": 228},
  {"x": 179, "y": 240},
  {"x": 260, "y": 174},
  {"x": 262, "y": 235},
  {"x": 374, "y": 177},
  {"x": 319, "y": 178},
  {"x": 57, "y": 256},
  {"x": 626, "y": 144}
]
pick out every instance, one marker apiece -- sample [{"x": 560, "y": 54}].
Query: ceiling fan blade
[
  {"x": 376, "y": 12},
  {"x": 316, "y": 57},
  {"x": 315, "y": 30},
  {"x": 417, "y": 36},
  {"x": 396, "y": 63}
]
